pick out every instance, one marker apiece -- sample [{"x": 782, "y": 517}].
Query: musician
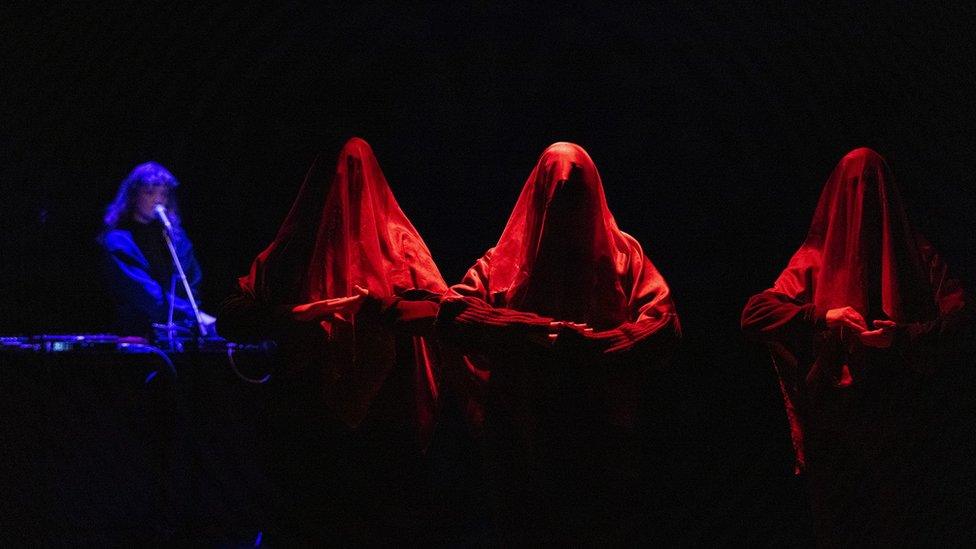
[{"x": 137, "y": 264}]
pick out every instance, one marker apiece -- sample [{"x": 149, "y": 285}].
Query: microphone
[{"x": 161, "y": 214}]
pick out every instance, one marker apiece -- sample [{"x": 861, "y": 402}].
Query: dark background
[{"x": 714, "y": 129}]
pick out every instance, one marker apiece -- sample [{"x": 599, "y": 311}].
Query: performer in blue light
[{"x": 137, "y": 265}]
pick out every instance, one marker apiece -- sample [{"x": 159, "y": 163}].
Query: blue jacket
[{"x": 141, "y": 299}]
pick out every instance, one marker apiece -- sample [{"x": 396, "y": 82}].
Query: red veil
[
  {"x": 346, "y": 229},
  {"x": 860, "y": 221},
  {"x": 562, "y": 255},
  {"x": 861, "y": 251}
]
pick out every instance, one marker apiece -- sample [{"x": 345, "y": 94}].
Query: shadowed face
[
  {"x": 146, "y": 199},
  {"x": 871, "y": 220},
  {"x": 568, "y": 232}
]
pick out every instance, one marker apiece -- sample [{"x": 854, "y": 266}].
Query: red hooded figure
[
  {"x": 559, "y": 320},
  {"x": 349, "y": 290},
  {"x": 854, "y": 324}
]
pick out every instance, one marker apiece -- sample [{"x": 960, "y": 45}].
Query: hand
[
  {"x": 612, "y": 341},
  {"x": 340, "y": 307},
  {"x": 846, "y": 317},
  {"x": 881, "y": 337},
  {"x": 559, "y": 326},
  {"x": 573, "y": 337}
]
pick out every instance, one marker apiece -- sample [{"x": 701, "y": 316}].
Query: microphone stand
[
  {"x": 167, "y": 229},
  {"x": 169, "y": 336},
  {"x": 172, "y": 304}
]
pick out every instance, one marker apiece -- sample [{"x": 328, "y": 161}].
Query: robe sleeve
[
  {"x": 655, "y": 329},
  {"x": 243, "y": 317},
  {"x": 955, "y": 311},
  {"x": 467, "y": 320},
  {"x": 785, "y": 312},
  {"x": 773, "y": 317},
  {"x": 784, "y": 318},
  {"x": 413, "y": 312},
  {"x": 629, "y": 350}
]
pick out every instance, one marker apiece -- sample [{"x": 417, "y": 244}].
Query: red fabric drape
[
  {"x": 860, "y": 243},
  {"x": 559, "y": 418},
  {"x": 346, "y": 229},
  {"x": 862, "y": 252},
  {"x": 562, "y": 255}
]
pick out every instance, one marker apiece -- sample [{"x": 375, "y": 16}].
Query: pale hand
[
  {"x": 556, "y": 326},
  {"x": 342, "y": 307},
  {"x": 881, "y": 337},
  {"x": 846, "y": 317}
]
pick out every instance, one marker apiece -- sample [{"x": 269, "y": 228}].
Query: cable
[
  {"x": 144, "y": 348},
  {"x": 233, "y": 367}
]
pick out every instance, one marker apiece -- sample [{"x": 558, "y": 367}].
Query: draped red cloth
[
  {"x": 559, "y": 415},
  {"x": 860, "y": 242},
  {"x": 344, "y": 229},
  {"x": 562, "y": 257},
  {"x": 862, "y": 252}
]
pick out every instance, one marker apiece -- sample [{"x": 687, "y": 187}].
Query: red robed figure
[
  {"x": 560, "y": 319},
  {"x": 344, "y": 230},
  {"x": 860, "y": 252},
  {"x": 856, "y": 323},
  {"x": 562, "y": 257}
]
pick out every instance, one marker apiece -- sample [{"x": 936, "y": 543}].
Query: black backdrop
[{"x": 713, "y": 128}]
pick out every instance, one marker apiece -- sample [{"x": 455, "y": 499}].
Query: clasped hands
[
  {"x": 579, "y": 336},
  {"x": 563, "y": 328},
  {"x": 881, "y": 337}
]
